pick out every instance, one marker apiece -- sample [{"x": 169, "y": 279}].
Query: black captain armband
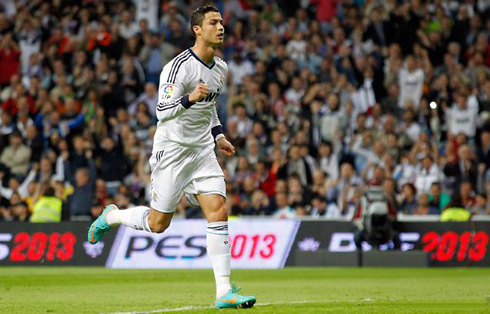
[{"x": 217, "y": 132}]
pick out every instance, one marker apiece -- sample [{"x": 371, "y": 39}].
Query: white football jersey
[{"x": 180, "y": 121}]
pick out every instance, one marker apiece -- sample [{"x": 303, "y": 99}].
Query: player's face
[{"x": 212, "y": 30}]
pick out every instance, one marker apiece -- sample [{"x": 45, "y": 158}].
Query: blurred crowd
[{"x": 324, "y": 98}]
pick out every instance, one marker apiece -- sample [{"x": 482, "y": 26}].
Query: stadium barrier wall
[
  {"x": 51, "y": 244},
  {"x": 331, "y": 243},
  {"x": 256, "y": 243}
]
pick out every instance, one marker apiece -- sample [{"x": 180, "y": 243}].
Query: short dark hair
[{"x": 198, "y": 15}]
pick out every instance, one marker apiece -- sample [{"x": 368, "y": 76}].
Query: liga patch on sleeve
[{"x": 167, "y": 91}]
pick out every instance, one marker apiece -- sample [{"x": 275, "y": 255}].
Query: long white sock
[
  {"x": 219, "y": 251},
  {"x": 133, "y": 217}
]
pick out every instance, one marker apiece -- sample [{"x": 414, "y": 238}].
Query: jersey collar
[{"x": 199, "y": 59}]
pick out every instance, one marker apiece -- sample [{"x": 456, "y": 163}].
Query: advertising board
[
  {"x": 51, "y": 244},
  {"x": 447, "y": 244},
  {"x": 255, "y": 243}
]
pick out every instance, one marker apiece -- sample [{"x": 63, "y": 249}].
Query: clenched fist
[{"x": 199, "y": 93}]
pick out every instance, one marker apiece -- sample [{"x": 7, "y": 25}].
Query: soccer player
[{"x": 183, "y": 160}]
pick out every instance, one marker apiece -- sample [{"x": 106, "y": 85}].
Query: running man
[{"x": 183, "y": 161}]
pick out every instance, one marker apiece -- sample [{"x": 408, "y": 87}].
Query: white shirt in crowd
[
  {"x": 330, "y": 166},
  {"x": 410, "y": 86},
  {"x": 413, "y": 131},
  {"x": 296, "y": 49},
  {"x": 285, "y": 212},
  {"x": 404, "y": 173},
  {"x": 293, "y": 95},
  {"x": 463, "y": 120},
  {"x": 127, "y": 31},
  {"x": 239, "y": 70},
  {"x": 425, "y": 177},
  {"x": 147, "y": 10},
  {"x": 364, "y": 98}
]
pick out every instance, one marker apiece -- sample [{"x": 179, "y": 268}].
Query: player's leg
[
  {"x": 208, "y": 189},
  {"x": 219, "y": 250},
  {"x": 164, "y": 199},
  {"x": 217, "y": 242},
  {"x": 139, "y": 218}
]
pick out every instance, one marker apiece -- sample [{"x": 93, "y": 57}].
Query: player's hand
[
  {"x": 199, "y": 93},
  {"x": 226, "y": 147}
]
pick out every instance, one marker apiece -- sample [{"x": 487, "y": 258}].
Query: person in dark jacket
[{"x": 80, "y": 202}]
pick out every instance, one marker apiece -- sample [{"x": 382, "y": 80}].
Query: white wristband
[{"x": 219, "y": 136}]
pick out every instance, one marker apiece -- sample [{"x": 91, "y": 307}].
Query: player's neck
[{"x": 205, "y": 53}]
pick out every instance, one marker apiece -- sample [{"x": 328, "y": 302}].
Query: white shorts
[{"x": 181, "y": 170}]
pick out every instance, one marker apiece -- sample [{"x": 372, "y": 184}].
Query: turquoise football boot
[
  {"x": 100, "y": 226},
  {"x": 233, "y": 300}
]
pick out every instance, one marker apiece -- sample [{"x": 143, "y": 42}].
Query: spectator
[
  {"x": 83, "y": 181},
  {"x": 437, "y": 198},
  {"x": 427, "y": 172},
  {"x": 465, "y": 168},
  {"x": 296, "y": 165},
  {"x": 342, "y": 192},
  {"x": 328, "y": 161},
  {"x": 410, "y": 80},
  {"x": 462, "y": 118},
  {"x": 323, "y": 90},
  {"x": 9, "y": 58},
  {"x": 154, "y": 55},
  {"x": 260, "y": 204},
  {"x": 48, "y": 208},
  {"x": 480, "y": 207},
  {"x": 239, "y": 68},
  {"x": 283, "y": 210},
  {"x": 424, "y": 207},
  {"x": 408, "y": 199},
  {"x": 127, "y": 28},
  {"x": 113, "y": 163},
  {"x": 16, "y": 156}
]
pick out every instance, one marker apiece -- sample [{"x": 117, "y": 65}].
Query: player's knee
[
  {"x": 158, "y": 226},
  {"x": 220, "y": 214}
]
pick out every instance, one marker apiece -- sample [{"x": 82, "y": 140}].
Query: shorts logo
[{"x": 168, "y": 90}]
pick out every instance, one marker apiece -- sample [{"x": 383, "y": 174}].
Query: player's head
[{"x": 207, "y": 25}]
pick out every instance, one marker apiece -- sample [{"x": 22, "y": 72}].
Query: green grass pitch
[{"x": 291, "y": 290}]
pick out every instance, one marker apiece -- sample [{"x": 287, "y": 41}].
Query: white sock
[
  {"x": 219, "y": 251},
  {"x": 133, "y": 217}
]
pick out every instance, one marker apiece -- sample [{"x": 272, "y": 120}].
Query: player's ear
[{"x": 197, "y": 30}]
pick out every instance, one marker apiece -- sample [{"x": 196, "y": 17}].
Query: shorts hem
[
  {"x": 162, "y": 211},
  {"x": 213, "y": 193}
]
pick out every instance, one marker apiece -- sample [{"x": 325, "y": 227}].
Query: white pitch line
[
  {"x": 177, "y": 309},
  {"x": 186, "y": 308}
]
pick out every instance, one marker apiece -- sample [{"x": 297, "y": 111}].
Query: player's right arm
[{"x": 172, "y": 102}]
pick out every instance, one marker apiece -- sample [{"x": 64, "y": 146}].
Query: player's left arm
[
  {"x": 219, "y": 136},
  {"x": 217, "y": 129}
]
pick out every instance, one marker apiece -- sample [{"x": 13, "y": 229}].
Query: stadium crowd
[{"x": 324, "y": 97}]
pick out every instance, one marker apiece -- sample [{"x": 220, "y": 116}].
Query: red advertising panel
[{"x": 51, "y": 244}]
